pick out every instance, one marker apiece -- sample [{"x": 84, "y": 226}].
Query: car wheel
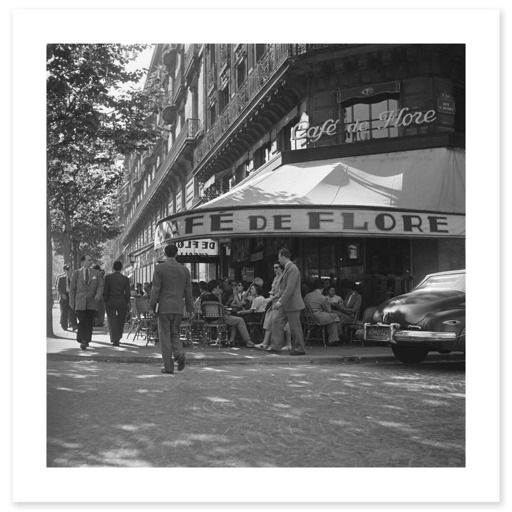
[{"x": 410, "y": 355}]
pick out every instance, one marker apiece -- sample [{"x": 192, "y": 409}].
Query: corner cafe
[{"x": 381, "y": 220}]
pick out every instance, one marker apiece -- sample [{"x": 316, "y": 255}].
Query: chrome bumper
[
  {"x": 390, "y": 333},
  {"x": 424, "y": 336}
]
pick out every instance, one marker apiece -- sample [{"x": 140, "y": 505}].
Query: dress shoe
[
  {"x": 163, "y": 370},
  {"x": 297, "y": 353},
  {"x": 181, "y": 362},
  {"x": 83, "y": 346}
]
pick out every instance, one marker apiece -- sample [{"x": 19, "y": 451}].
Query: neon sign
[{"x": 391, "y": 119}]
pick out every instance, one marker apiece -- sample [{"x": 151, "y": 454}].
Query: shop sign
[
  {"x": 165, "y": 233},
  {"x": 201, "y": 248},
  {"x": 391, "y": 119},
  {"x": 446, "y": 104},
  {"x": 310, "y": 221}
]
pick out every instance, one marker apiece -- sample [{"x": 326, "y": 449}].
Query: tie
[{"x": 86, "y": 276}]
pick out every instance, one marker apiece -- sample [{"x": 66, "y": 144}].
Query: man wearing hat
[{"x": 67, "y": 315}]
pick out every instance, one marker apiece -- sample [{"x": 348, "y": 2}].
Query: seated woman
[
  {"x": 257, "y": 306},
  {"x": 235, "y": 301}
]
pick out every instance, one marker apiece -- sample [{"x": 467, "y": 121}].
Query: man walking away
[
  {"x": 67, "y": 315},
  {"x": 116, "y": 296},
  {"x": 85, "y": 290},
  {"x": 171, "y": 284},
  {"x": 288, "y": 307}
]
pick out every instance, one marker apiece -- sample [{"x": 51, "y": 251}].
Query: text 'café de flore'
[{"x": 351, "y": 156}]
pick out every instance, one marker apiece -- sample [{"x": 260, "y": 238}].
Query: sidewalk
[{"x": 64, "y": 346}]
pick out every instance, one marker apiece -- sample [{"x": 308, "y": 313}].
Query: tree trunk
[{"x": 49, "y": 276}]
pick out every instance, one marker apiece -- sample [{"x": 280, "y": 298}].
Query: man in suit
[
  {"x": 116, "y": 297},
  {"x": 321, "y": 309},
  {"x": 67, "y": 315},
  {"x": 288, "y": 307},
  {"x": 352, "y": 304},
  {"x": 85, "y": 290},
  {"x": 171, "y": 284}
]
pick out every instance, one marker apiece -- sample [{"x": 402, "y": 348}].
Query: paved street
[{"x": 107, "y": 414}]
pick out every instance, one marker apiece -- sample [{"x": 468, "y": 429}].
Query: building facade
[{"x": 351, "y": 156}]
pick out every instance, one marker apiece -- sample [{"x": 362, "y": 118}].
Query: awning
[{"x": 412, "y": 194}]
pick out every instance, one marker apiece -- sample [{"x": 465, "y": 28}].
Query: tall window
[
  {"x": 241, "y": 74},
  {"x": 260, "y": 50},
  {"x": 362, "y": 121},
  {"x": 223, "y": 98}
]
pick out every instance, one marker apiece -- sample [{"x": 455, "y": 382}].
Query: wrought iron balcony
[
  {"x": 186, "y": 136},
  {"x": 267, "y": 66}
]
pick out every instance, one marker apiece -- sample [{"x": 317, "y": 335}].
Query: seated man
[
  {"x": 322, "y": 311},
  {"x": 335, "y": 301},
  {"x": 352, "y": 304},
  {"x": 214, "y": 295}
]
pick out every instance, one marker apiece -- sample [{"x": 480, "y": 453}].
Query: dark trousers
[
  {"x": 85, "y": 324},
  {"x": 67, "y": 315},
  {"x": 64, "y": 313},
  {"x": 116, "y": 316},
  {"x": 169, "y": 335}
]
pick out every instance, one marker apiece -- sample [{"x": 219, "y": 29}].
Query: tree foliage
[{"x": 95, "y": 117}]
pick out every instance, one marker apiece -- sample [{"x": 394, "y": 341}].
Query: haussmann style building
[{"x": 350, "y": 155}]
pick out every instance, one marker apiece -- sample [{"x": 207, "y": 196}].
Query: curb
[{"x": 280, "y": 360}]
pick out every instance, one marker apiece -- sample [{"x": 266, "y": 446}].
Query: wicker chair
[
  {"x": 214, "y": 322},
  {"x": 309, "y": 324}
]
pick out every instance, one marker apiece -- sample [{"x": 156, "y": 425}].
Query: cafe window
[{"x": 362, "y": 121}]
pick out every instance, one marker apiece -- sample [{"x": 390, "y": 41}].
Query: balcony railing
[
  {"x": 187, "y": 134},
  {"x": 265, "y": 69}
]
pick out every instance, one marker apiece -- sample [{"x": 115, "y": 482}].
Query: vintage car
[{"x": 432, "y": 317}]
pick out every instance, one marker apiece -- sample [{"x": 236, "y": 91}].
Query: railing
[
  {"x": 187, "y": 134},
  {"x": 301, "y": 49},
  {"x": 265, "y": 69}
]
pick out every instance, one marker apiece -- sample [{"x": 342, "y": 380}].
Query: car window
[{"x": 444, "y": 282}]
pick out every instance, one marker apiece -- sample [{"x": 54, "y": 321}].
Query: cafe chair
[
  {"x": 255, "y": 328},
  {"x": 214, "y": 322},
  {"x": 186, "y": 330},
  {"x": 309, "y": 324},
  {"x": 350, "y": 329},
  {"x": 144, "y": 322}
]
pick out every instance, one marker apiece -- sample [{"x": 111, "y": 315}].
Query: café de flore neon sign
[
  {"x": 390, "y": 119},
  {"x": 307, "y": 221}
]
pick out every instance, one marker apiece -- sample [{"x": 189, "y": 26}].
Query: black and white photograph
[{"x": 258, "y": 256}]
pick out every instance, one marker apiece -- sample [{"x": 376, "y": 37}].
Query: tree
[{"x": 94, "y": 118}]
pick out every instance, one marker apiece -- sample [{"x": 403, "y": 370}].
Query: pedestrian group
[{"x": 86, "y": 294}]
